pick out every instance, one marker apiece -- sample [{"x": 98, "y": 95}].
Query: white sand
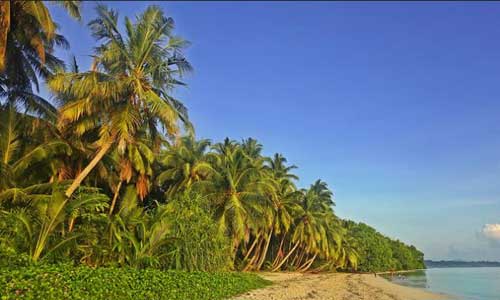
[{"x": 338, "y": 286}]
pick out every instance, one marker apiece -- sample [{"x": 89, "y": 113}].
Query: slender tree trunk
[
  {"x": 85, "y": 172},
  {"x": 5, "y": 23},
  {"x": 321, "y": 268},
  {"x": 254, "y": 257},
  {"x": 300, "y": 265},
  {"x": 113, "y": 203},
  {"x": 280, "y": 251},
  {"x": 307, "y": 264},
  {"x": 264, "y": 253},
  {"x": 251, "y": 248},
  {"x": 301, "y": 257},
  {"x": 249, "y": 264},
  {"x": 71, "y": 224},
  {"x": 297, "y": 257},
  {"x": 285, "y": 258}
]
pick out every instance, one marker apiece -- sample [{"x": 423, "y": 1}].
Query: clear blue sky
[{"x": 395, "y": 105}]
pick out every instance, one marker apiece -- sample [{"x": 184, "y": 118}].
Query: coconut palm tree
[
  {"x": 309, "y": 236},
  {"x": 282, "y": 209},
  {"x": 287, "y": 209},
  {"x": 252, "y": 148},
  {"x": 183, "y": 164},
  {"x": 28, "y": 36},
  {"x": 239, "y": 193},
  {"x": 277, "y": 164},
  {"x": 128, "y": 89},
  {"x": 286, "y": 202},
  {"x": 348, "y": 254}
]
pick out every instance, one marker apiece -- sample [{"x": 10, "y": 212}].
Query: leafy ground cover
[{"x": 68, "y": 282}]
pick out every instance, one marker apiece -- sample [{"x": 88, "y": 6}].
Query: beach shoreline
[{"x": 335, "y": 286}]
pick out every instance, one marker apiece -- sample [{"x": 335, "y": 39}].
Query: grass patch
[{"x": 64, "y": 282}]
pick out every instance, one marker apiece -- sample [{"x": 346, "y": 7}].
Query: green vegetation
[
  {"x": 461, "y": 264},
  {"x": 379, "y": 253},
  {"x": 62, "y": 282},
  {"x": 110, "y": 176}
]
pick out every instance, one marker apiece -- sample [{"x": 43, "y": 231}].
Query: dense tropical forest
[
  {"x": 108, "y": 172},
  {"x": 378, "y": 253}
]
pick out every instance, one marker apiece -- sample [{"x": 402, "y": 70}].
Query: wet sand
[{"x": 335, "y": 286}]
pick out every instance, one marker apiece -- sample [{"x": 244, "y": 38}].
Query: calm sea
[{"x": 463, "y": 283}]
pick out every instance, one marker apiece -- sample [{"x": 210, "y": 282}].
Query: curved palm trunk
[
  {"x": 321, "y": 268},
  {"x": 307, "y": 264},
  {"x": 113, "y": 203},
  {"x": 86, "y": 171},
  {"x": 264, "y": 253},
  {"x": 71, "y": 224},
  {"x": 300, "y": 258},
  {"x": 251, "y": 249},
  {"x": 254, "y": 257},
  {"x": 285, "y": 258},
  {"x": 280, "y": 251},
  {"x": 5, "y": 25},
  {"x": 297, "y": 257}
]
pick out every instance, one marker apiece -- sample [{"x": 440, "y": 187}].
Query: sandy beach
[{"x": 338, "y": 286}]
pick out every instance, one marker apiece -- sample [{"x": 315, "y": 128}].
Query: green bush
[
  {"x": 196, "y": 244},
  {"x": 67, "y": 282},
  {"x": 10, "y": 258}
]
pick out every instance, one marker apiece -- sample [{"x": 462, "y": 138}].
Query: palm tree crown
[
  {"x": 28, "y": 36},
  {"x": 127, "y": 92}
]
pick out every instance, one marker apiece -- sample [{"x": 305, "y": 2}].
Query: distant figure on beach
[{"x": 375, "y": 274}]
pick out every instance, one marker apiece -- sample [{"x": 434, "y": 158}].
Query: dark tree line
[{"x": 379, "y": 253}]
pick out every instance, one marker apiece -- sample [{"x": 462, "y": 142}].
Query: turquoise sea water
[{"x": 461, "y": 283}]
